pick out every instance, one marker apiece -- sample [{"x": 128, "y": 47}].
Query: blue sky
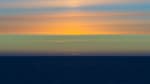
[{"x": 6, "y": 10}]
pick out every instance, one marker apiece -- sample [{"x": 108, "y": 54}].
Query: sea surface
[{"x": 74, "y": 70}]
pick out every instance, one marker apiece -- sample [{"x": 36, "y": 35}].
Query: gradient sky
[
  {"x": 75, "y": 27},
  {"x": 74, "y": 17}
]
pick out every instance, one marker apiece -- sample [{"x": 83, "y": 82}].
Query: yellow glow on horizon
[
  {"x": 70, "y": 27},
  {"x": 72, "y": 23},
  {"x": 65, "y": 27}
]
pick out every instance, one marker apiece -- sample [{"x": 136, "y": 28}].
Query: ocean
[{"x": 74, "y": 70}]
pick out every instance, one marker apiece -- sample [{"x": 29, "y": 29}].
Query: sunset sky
[
  {"x": 75, "y": 27},
  {"x": 77, "y": 17}
]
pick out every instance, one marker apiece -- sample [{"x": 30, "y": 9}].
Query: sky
[
  {"x": 74, "y": 17},
  {"x": 75, "y": 27}
]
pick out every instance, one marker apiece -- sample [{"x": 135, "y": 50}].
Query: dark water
[{"x": 74, "y": 70}]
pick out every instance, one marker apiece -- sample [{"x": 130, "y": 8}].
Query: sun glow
[
  {"x": 70, "y": 28},
  {"x": 73, "y": 3},
  {"x": 73, "y": 27}
]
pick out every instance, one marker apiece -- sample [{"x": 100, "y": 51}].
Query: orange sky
[{"x": 75, "y": 23}]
